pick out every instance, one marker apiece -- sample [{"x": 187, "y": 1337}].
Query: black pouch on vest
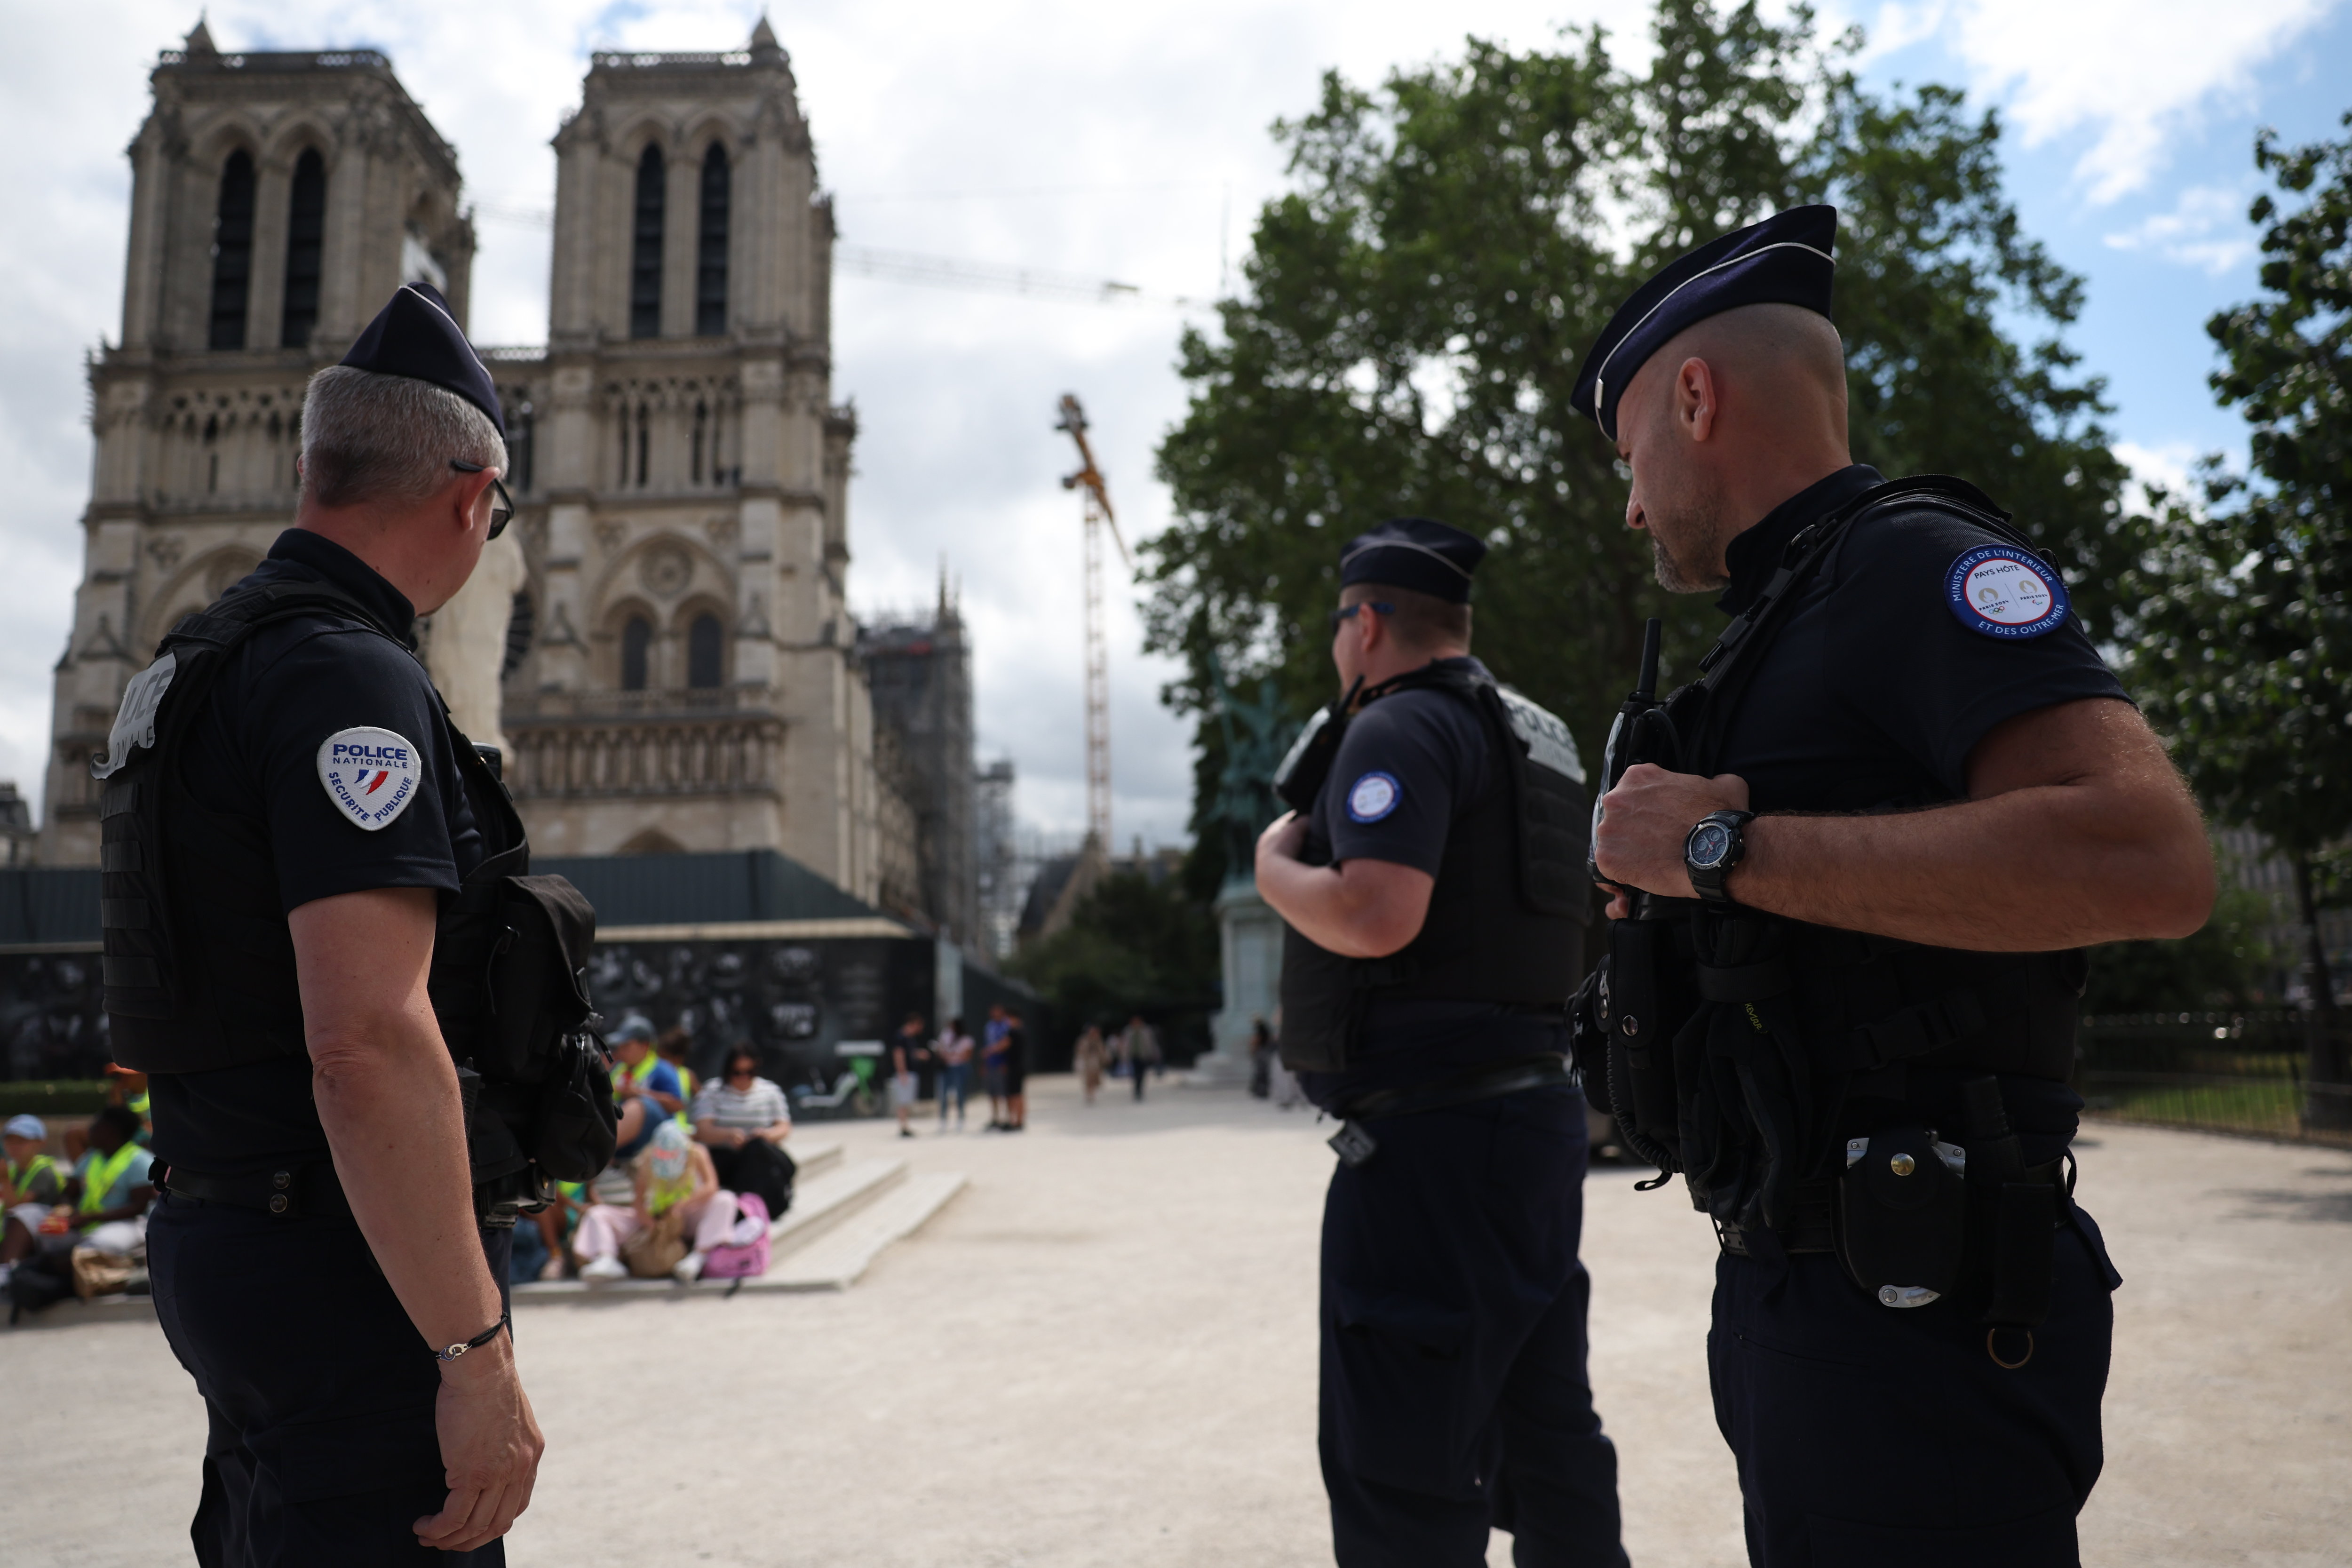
[
  {"x": 1643, "y": 1011},
  {"x": 1902, "y": 1217},
  {"x": 573, "y": 1133},
  {"x": 537, "y": 997}
]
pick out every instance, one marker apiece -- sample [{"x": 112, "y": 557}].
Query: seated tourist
[
  {"x": 108, "y": 1189},
  {"x": 30, "y": 1187},
  {"x": 671, "y": 1174},
  {"x": 644, "y": 1087},
  {"x": 742, "y": 1118}
]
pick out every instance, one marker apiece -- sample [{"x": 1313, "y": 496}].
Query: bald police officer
[
  {"x": 1433, "y": 882},
  {"x": 303, "y": 863},
  {"x": 1854, "y": 864}
]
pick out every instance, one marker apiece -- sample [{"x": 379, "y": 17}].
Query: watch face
[{"x": 1709, "y": 844}]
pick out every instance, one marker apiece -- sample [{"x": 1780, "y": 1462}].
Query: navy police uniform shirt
[
  {"x": 256, "y": 751},
  {"x": 1877, "y": 690},
  {"x": 1410, "y": 765}
]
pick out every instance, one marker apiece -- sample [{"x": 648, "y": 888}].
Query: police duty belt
[{"x": 1354, "y": 1145}]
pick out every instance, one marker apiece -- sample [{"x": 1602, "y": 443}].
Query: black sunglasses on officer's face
[
  {"x": 502, "y": 509},
  {"x": 1347, "y": 612}
]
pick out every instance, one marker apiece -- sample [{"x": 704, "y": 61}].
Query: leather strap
[
  {"x": 1486, "y": 1083},
  {"x": 297, "y": 1192},
  {"x": 1811, "y": 1229}
]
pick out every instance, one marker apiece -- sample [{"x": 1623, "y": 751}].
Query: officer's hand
[
  {"x": 490, "y": 1448},
  {"x": 1284, "y": 837},
  {"x": 1644, "y": 824}
]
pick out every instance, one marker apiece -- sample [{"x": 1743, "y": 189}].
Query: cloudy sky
[{"x": 1127, "y": 142}]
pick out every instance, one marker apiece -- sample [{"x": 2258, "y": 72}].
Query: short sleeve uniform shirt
[
  {"x": 1412, "y": 764},
  {"x": 254, "y": 753},
  {"x": 1876, "y": 691}
]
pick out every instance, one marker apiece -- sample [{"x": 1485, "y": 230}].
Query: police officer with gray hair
[
  {"x": 1431, "y": 877},
  {"x": 360, "y": 1016},
  {"x": 1854, "y": 864}
]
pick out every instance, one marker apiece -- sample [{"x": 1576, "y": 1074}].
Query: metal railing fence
[{"x": 2247, "y": 1072}]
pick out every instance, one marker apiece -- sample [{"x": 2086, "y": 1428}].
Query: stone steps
[
  {"x": 844, "y": 1213},
  {"x": 850, "y": 1247}
]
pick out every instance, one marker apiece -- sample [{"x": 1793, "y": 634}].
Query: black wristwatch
[{"x": 1713, "y": 848}]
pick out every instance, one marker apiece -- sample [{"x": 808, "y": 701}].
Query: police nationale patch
[
  {"x": 1373, "y": 796},
  {"x": 2007, "y": 592},
  {"x": 371, "y": 774}
]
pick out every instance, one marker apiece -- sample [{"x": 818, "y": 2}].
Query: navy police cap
[
  {"x": 1417, "y": 553},
  {"x": 1784, "y": 260},
  {"x": 417, "y": 336}
]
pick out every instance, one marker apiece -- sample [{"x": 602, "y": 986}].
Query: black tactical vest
[
  {"x": 1735, "y": 1039},
  {"x": 198, "y": 969},
  {"x": 1506, "y": 917}
]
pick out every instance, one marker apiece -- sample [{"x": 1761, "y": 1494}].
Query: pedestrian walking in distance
[{"x": 1138, "y": 1047}]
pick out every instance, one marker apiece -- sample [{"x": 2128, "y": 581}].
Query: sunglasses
[
  {"x": 1347, "y": 612},
  {"x": 502, "y": 508},
  {"x": 743, "y": 1072}
]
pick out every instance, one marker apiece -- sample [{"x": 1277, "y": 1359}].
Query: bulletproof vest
[
  {"x": 1735, "y": 1037},
  {"x": 198, "y": 969},
  {"x": 1506, "y": 915}
]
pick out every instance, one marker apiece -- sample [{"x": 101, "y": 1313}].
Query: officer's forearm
[
  {"x": 387, "y": 1097},
  {"x": 395, "y": 1121},
  {"x": 2079, "y": 832}
]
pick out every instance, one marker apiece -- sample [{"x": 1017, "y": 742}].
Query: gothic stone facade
[{"x": 683, "y": 675}]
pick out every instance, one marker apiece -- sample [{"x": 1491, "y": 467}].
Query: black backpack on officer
[{"x": 507, "y": 977}]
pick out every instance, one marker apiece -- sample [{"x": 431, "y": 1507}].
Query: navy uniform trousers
[
  {"x": 1455, "y": 1397},
  {"x": 1868, "y": 1435},
  {"x": 318, "y": 1390}
]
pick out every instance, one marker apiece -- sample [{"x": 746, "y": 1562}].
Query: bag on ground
[{"x": 748, "y": 1261}]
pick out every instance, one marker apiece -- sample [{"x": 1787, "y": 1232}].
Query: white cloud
[
  {"x": 2207, "y": 227},
  {"x": 2128, "y": 73},
  {"x": 2168, "y": 467}
]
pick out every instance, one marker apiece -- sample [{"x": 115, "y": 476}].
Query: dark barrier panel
[
  {"x": 52, "y": 1021},
  {"x": 702, "y": 889},
  {"x": 49, "y": 904},
  {"x": 796, "y": 1001}
]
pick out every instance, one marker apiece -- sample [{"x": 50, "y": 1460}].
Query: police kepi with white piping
[{"x": 1784, "y": 260}]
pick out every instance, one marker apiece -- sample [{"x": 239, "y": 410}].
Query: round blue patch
[
  {"x": 2008, "y": 591},
  {"x": 1373, "y": 796}
]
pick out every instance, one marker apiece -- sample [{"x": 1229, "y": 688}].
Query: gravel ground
[{"x": 1104, "y": 1351}]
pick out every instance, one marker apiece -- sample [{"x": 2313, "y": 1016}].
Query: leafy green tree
[
  {"x": 1133, "y": 945},
  {"x": 1415, "y": 308},
  {"x": 2227, "y": 967},
  {"x": 2244, "y": 651}
]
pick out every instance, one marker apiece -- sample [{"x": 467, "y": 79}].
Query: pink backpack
[{"x": 741, "y": 1262}]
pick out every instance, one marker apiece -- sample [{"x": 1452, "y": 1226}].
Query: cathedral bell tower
[
  {"x": 277, "y": 199},
  {"x": 693, "y": 683}
]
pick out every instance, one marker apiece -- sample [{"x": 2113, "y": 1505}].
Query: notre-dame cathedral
[{"x": 680, "y": 670}]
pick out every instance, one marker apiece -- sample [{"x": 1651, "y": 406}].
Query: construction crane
[{"x": 1099, "y": 517}]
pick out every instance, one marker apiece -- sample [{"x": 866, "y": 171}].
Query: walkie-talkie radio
[{"x": 1641, "y": 733}]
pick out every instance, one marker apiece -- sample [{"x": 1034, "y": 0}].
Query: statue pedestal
[{"x": 1249, "y": 943}]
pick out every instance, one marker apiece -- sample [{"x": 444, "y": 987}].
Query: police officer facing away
[
  {"x": 1852, "y": 865},
  {"x": 292, "y": 836},
  {"x": 1432, "y": 879}
]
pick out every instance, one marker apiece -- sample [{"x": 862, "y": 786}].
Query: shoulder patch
[
  {"x": 1373, "y": 796},
  {"x": 371, "y": 774},
  {"x": 2005, "y": 592}
]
